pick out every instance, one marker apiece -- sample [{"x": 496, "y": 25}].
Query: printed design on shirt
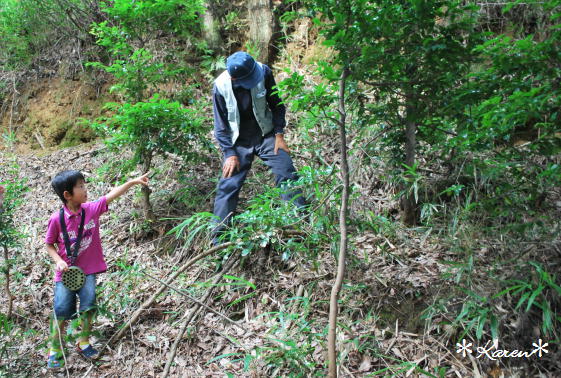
[
  {"x": 86, "y": 237},
  {"x": 90, "y": 225}
]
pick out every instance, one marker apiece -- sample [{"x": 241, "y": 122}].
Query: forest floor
[{"x": 280, "y": 306}]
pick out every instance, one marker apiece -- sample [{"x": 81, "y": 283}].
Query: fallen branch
[
  {"x": 117, "y": 336},
  {"x": 183, "y": 293},
  {"x": 92, "y": 152},
  {"x": 39, "y": 139},
  {"x": 194, "y": 312}
]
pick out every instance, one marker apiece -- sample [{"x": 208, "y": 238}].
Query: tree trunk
[
  {"x": 408, "y": 202},
  {"x": 146, "y": 165},
  {"x": 333, "y": 305},
  {"x": 210, "y": 28},
  {"x": 7, "y": 283},
  {"x": 261, "y": 28}
]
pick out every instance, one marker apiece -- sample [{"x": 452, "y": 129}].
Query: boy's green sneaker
[{"x": 55, "y": 361}]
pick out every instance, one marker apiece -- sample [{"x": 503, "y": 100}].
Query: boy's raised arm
[{"x": 120, "y": 190}]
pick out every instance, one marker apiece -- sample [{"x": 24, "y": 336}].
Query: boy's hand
[
  {"x": 120, "y": 190},
  {"x": 142, "y": 180},
  {"x": 61, "y": 266}
]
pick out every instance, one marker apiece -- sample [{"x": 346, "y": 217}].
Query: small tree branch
[
  {"x": 394, "y": 83},
  {"x": 445, "y": 131},
  {"x": 332, "y": 119},
  {"x": 7, "y": 283},
  {"x": 146, "y": 166}
]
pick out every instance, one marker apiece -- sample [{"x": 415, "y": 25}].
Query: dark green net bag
[{"x": 74, "y": 277}]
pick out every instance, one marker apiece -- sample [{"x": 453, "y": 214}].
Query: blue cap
[{"x": 242, "y": 67}]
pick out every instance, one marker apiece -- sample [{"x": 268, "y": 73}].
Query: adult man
[{"x": 249, "y": 120}]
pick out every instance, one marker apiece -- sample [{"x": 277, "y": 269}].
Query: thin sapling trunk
[{"x": 333, "y": 305}]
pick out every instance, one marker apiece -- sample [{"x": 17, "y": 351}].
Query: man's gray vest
[{"x": 261, "y": 108}]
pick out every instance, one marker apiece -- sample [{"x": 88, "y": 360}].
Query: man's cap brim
[{"x": 253, "y": 79}]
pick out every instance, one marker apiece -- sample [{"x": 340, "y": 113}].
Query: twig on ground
[
  {"x": 88, "y": 371},
  {"x": 394, "y": 340},
  {"x": 87, "y": 153},
  {"x": 182, "y": 292},
  {"x": 61, "y": 345},
  {"x": 347, "y": 371},
  {"x": 132, "y": 338},
  {"x": 194, "y": 312},
  {"x": 230, "y": 340}
]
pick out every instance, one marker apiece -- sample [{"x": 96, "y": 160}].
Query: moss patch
[{"x": 77, "y": 133}]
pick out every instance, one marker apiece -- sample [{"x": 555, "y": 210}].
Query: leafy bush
[
  {"x": 270, "y": 221},
  {"x": 155, "y": 127}
]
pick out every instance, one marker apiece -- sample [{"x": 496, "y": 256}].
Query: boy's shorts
[{"x": 65, "y": 299}]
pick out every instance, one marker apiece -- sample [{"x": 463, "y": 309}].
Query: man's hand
[
  {"x": 61, "y": 266},
  {"x": 231, "y": 165},
  {"x": 142, "y": 180},
  {"x": 280, "y": 144}
]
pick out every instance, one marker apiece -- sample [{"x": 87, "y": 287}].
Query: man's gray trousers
[{"x": 281, "y": 165}]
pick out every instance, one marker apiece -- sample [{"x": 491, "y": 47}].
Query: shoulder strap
[{"x": 67, "y": 238}]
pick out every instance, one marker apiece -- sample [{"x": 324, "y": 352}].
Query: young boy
[{"x": 70, "y": 186}]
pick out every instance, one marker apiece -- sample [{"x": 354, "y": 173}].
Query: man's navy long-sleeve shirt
[{"x": 222, "y": 130}]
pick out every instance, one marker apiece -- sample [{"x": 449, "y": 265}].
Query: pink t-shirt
[{"x": 90, "y": 258}]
